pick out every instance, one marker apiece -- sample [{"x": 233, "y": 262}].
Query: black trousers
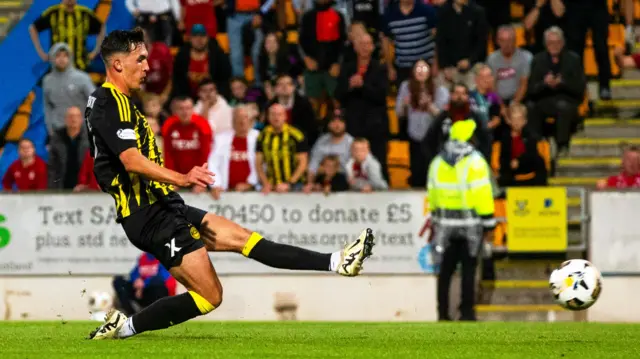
[
  {"x": 160, "y": 30},
  {"x": 579, "y": 20},
  {"x": 418, "y": 164},
  {"x": 126, "y": 294},
  {"x": 457, "y": 252},
  {"x": 563, "y": 110}
]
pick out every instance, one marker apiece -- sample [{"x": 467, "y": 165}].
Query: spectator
[
  {"x": 484, "y": 101},
  {"x": 242, "y": 13},
  {"x": 409, "y": 34},
  {"x": 152, "y": 108},
  {"x": 541, "y": 15},
  {"x": 158, "y": 80},
  {"x": 459, "y": 110},
  {"x": 420, "y": 102},
  {"x": 322, "y": 36},
  {"x": 510, "y": 65},
  {"x": 199, "y": 12},
  {"x": 300, "y": 113},
  {"x": 86, "y": 179},
  {"x": 241, "y": 93},
  {"x": 629, "y": 176},
  {"x": 356, "y": 29},
  {"x": 281, "y": 154},
  {"x": 28, "y": 172},
  {"x": 362, "y": 92},
  {"x": 233, "y": 159},
  {"x": 515, "y": 158},
  {"x": 147, "y": 282},
  {"x": 498, "y": 13},
  {"x": 461, "y": 40},
  {"x": 556, "y": 88},
  {"x": 199, "y": 59},
  {"x": 368, "y": 13},
  {"x": 336, "y": 142},
  {"x": 330, "y": 178},
  {"x": 213, "y": 107},
  {"x": 188, "y": 139},
  {"x": 67, "y": 148},
  {"x": 156, "y": 16},
  {"x": 71, "y": 24},
  {"x": 582, "y": 16},
  {"x": 63, "y": 87},
  {"x": 274, "y": 58},
  {"x": 364, "y": 172},
  {"x": 629, "y": 19}
]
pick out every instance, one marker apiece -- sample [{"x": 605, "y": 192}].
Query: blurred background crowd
[{"x": 324, "y": 95}]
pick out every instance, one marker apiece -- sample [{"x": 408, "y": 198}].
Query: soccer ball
[
  {"x": 99, "y": 305},
  {"x": 576, "y": 284}
]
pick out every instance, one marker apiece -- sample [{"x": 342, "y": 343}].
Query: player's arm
[{"x": 113, "y": 123}]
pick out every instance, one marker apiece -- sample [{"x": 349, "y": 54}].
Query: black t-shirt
[
  {"x": 71, "y": 28},
  {"x": 116, "y": 125},
  {"x": 338, "y": 182}
]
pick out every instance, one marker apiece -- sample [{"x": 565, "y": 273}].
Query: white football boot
[
  {"x": 354, "y": 254},
  {"x": 113, "y": 321}
]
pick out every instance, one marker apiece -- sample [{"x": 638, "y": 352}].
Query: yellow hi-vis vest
[{"x": 461, "y": 195}]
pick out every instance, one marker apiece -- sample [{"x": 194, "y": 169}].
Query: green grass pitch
[{"x": 49, "y": 340}]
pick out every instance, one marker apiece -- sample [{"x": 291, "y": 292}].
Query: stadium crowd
[{"x": 313, "y": 116}]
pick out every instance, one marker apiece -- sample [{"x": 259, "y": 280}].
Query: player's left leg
[{"x": 222, "y": 235}]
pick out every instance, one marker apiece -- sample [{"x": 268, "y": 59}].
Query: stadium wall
[{"x": 247, "y": 297}]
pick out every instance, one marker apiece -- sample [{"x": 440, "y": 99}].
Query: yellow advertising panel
[{"x": 536, "y": 219}]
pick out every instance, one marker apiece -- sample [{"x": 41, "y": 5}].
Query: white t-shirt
[{"x": 220, "y": 116}]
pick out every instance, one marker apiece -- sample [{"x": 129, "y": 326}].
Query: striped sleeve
[{"x": 112, "y": 121}]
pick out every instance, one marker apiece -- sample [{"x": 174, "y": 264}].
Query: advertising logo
[
  {"x": 5, "y": 235},
  {"x": 548, "y": 203},
  {"x": 521, "y": 208}
]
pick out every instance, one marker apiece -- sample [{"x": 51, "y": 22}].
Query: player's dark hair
[{"x": 121, "y": 41}]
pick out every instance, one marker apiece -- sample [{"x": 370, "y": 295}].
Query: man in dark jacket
[
  {"x": 299, "y": 110},
  {"x": 322, "y": 37},
  {"x": 556, "y": 88},
  {"x": 461, "y": 39},
  {"x": 362, "y": 91},
  {"x": 459, "y": 110},
  {"x": 68, "y": 146},
  {"x": 201, "y": 58}
]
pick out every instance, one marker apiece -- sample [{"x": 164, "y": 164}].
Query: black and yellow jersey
[
  {"x": 70, "y": 27},
  {"x": 280, "y": 150},
  {"x": 115, "y": 125}
]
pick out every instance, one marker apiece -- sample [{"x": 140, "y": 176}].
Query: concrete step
[
  {"x": 625, "y": 88},
  {"x": 587, "y": 166},
  {"x": 600, "y": 147},
  {"x": 617, "y": 108},
  {"x": 608, "y": 127},
  {"x": 574, "y": 181}
]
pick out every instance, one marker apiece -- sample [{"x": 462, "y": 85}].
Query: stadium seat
[
  {"x": 517, "y": 10},
  {"x": 103, "y": 9},
  {"x": 398, "y": 164},
  {"x": 394, "y": 124},
  {"x": 499, "y": 234},
  {"x": 292, "y": 37},
  {"x": 544, "y": 149}
]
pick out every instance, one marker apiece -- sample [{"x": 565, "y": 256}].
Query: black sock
[
  {"x": 170, "y": 311},
  {"x": 285, "y": 256}
]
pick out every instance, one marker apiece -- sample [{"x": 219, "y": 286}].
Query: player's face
[
  {"x": 135, "y": 67},
  {"x": 26, "y": 151}
]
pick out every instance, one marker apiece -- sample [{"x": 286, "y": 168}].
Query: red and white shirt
[
  {"x": 186, "y": 145},
  {"x": 239, "y": 168}
]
